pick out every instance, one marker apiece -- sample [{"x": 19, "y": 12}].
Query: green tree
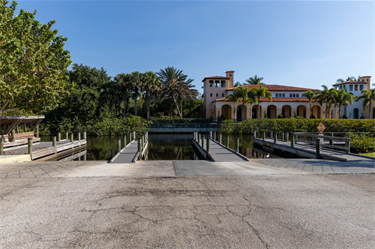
[
  {"x": 327, "y": 97},
  {"x": 125, "y": 89},
  {"x": 176, "y": 85},
  {"x": 367, "y": 96},
  {"x": 151, "y": 87},
  {"x": 246, "y": 96},
  {"x": 350, "y": 78},
  {"x": 310, "y": 95},
  {"x": 255, "y": 80},
  {"x": 233, "y": 97},
  {"x": 33, "y": 62},
  {"x": 344, "y": 98},
  {"x": 137, "y": 88},
  {"x": 88, "y": 76},
  {"x": 261, "y": 92}
]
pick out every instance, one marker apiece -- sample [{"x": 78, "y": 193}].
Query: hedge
[
  {"x": 181, "y": 120},
  {"x": 297, "y": 125}
]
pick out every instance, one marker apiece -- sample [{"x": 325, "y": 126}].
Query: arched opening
[
  {"x": 286, "y": 111},
  {"x": 254, "y": 112},
  {"x": 239, "y": 113},
  {"x": 271, "y": 111},
  {"x": 226, "y": 110},
  {"x": 355, "y": 113},
  {"x": 316, "y": 111},
  {"x": 301, "y": 111}
]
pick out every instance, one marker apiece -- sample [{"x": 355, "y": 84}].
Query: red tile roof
[
  {"x": 273, "y": 100},
  {"x": 277, "y": 88},
  {"x": 350, "y": 81},
  {"x": 215, "y": 77}
]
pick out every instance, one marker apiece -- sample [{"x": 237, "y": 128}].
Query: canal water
[{"x": 167, "y": 147}]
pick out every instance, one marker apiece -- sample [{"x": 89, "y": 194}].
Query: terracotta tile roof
[
  {"x": 215, "y": 77},
  {"x": 273, "y": 100},
  {"x": 350, "y": 81},
  {"x": 277, "y": 88}
]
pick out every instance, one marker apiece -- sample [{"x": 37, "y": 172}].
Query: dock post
[
  {"x": 147, "y": 136},
  {"x": 282, "y": 136},
  {"x": 317, "y": 145},
  {"x": 84, "y": 135},
  {"x": 275, "y": 139},
  {"x": 214, "y": 138},
  {"x": 133, "y": 134},
  {"x": 220, "y": 137},
  {"x": 237, "y": 144},
  {"x": 66, "y": 135},
  {"x": 227, "y": 142},
  {"x": 210, "y": 134},
  {"x": 295, "y": 138},
  {"x": 208, "y": 144},
  {"x": 71, "y": 137},
  {"x": 1, "y": 146},
  {"x": 287, "y": 136},
  {"x": 271, "y": 134},
  {"x": 139, "y": 149},
  {"x": 331, "y": 140},
  {"x": 30, "y": 145},
  {"x": 79, "y": 136},
  {"x": 199, "y": 138},
  {"x": 37, "y": 131},
  {"x": 255, "y": 134},
  {"x": 58, "y": 137},
  {"x": 264, "y": 135},
  {"x": 202, "y": 140},
  {"x": 347, "y": 145},
  {"x": 84, "y": 157},
  {"x": 292, "y": 141},
  {"x": 13, "y": 135},
  {"x": 118, "y": 144},
  {"x": 124, "y": 138},
  {"x": 54, "y": 141}
]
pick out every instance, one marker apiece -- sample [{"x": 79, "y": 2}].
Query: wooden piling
[
  {"x": 208, "y": 144},
  {"x": 54, "y": 141},
  {"x": 30, "y": 145},
  {"x": 275, "y": 139},
  {"x": 210, "y": 134},
  {"x": 67, "y": 135},
  {"x": 58, "y": 137},
  {"x": 118, "y": 144},
  {"x": 84, "y": 135},
  {"x": 227, "y": 142},
  {"x": 271, "y": 134},
  {"x": 317, "y": 147},
  {"x": 282, "y": 136},
  {"x": 1, "y": 146},
  {"x": 292, "y": 141},
  {"x": 331, "y": 140},
  {"x": 71, "y": 137},
  {"x": 124, "y": 139},
  {"x": 237, "y": 147},
  {"x": 79, "y": 136},
  {"x": 139, "y": 149},
  {"x": 287, "y": 136},
  {"x": 220, "y": 137},
  {"x": 264, "y": 135},
  {"x": 13, "y": 139},
  {"x": 37, "y": 131}
]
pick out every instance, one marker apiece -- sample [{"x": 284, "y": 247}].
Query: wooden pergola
[{"x": 8, "y": 123}]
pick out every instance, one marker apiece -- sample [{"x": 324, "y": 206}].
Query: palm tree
[
  {"x": 176, "y": 85},
  {"x": 137, "y": 87},
  {"x": 110, "y": 95},
  {"x": 350, "y": 78},
  {"x": 234, "y": 98},
  {"x": 237, "y": 84},
  {"x": 152, "y": 85},
  {"x": 261, "y": 92},
  {"x": 326, "y": 96},
  {"x": 344, "y": 98},
  {"x": 310, "y": 95},
  {"x": 125, "y": 87},
  {"x": 255, "y": 80},
  {"x": 242, "y": 93},
  {"x": 367, "y": 96}
]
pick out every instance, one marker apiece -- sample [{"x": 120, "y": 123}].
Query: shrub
[
  {"x": 280, "y": 116},
  {"x": 312, "y": 116},
  {"x": 362, "y": 142},
  {"x": 180, "y": 120},
  {"x": 227, "y": 126},
  {"x": 344, "y": 117},
  {"x": 362, "y": 117}
]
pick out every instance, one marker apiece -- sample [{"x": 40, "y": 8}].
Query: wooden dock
[
  {"x": 308, "y": 150},
  {"x": 218, "y": 152},
  {"x": 45, "y": 149},
  {"x": 130, "y": 154}
]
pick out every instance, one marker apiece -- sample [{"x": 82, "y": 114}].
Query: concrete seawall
[{"x": 182, "y": 128}]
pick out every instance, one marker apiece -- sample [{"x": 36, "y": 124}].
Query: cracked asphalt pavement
[{"x": 237, "y": 211}]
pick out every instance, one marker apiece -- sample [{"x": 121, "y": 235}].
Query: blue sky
[{"x": 295, "y": 43}]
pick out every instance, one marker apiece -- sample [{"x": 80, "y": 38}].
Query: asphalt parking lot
[{"x": 257, "y": 206}]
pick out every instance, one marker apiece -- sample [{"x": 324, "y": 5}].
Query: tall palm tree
[
  {"x": 125, "y": 88},
  {"x": 151, "y": 87},
  {"x": 367, "y": 96},
  {"x": 262, "y": 92},
  {"x": 344, "y": 98},
  {"x": 238, "y": 84},
  {"x": 327, "y": 97},
  {"x": 255, "y": 80},
  {"x": 234, "y": 98},
  {"x": 176, "y": 85},
  {"x": 242, "y": 93},
  {"x": 310, "y": 95},
  {"x": 137, "y": 87},
  {"x": 110, "y": 95}
]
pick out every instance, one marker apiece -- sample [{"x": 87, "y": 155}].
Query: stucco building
[{"x": 286, "y": 100}]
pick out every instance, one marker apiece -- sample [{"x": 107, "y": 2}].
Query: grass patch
[{"x": 372, "y": 154}]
